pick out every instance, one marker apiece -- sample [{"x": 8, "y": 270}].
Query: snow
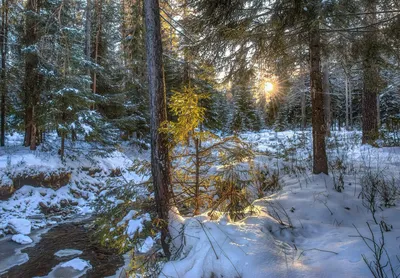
[
  {"x": 72, "y": 269},
  {"x": 22, "y": 239},
  {"x": 308, "y": 229},
  {"x": 77, "y": 264},
  {"x": 77, "y": 195},
  {"x": 134, "y": 226},
  {"x": 147, "y": 245},
  {"x": 20, "y": 226},
  {"x": 127, "y": 217},
  {"x": 67, "y": 253}
]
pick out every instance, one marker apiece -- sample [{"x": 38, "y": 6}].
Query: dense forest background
[{"x": 79, "y": 67}]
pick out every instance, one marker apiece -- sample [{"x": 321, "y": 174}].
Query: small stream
[{"x": 73, "y": 235}]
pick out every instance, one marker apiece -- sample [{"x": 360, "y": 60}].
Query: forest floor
[{"x": 307, "y": 229}]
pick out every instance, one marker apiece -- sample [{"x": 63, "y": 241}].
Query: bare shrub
[
  {"x": 378, "y": 191},
  {"x": 380, "y": 265}
]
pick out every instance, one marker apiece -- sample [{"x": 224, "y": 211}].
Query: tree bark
[
  {"x": 160, "y": 161},
  {"x": 350, "y": 101},
  {"x": 99, "y": 10},
  {"x": 32, "y": 77},
  {"x": 303, "y": 102},
  {"x": 88, "y": 29},
  {"x": 88, "y": 33},
  {"x": 346, "y": 91},
  {"x": 327, "y": 99},
  {"x": 3, "y": 74},
  {"x": 371, "y": 78},
  {"x": 197, "y": 178},
  {"x": 320, "y": 163}
]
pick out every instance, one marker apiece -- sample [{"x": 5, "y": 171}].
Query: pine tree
[
  {"x": 245, "y": 116},
  {"x": 160, "y": 162}
]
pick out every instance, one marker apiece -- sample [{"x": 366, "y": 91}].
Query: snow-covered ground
[
  {"x": 308, "y": 229},
  {"x": 44, "y": 205}
]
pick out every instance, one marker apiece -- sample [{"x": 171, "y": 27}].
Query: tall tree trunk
[
  {"x": 88, "y": 30},
  {"x": 320, "y": 163},
  {"x": 160, "y": 162},
  {"x": 99, "y": 10},
  {"x": 371, "y": 78},
  {"x": 3, "y": 74},
  {"x": 32, "y": 77},
  {"x": 327, "y": 98}
]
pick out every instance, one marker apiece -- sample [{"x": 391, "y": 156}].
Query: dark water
[{"x": 104, "y": 261}]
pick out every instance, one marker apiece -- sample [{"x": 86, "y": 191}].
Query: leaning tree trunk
[
  {"x": 160, "y": 163},
  {"x": 320, "y": 163}
]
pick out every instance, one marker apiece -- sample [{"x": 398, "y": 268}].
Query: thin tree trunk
[
  {"x": 62, "y": 148},
  {"x": 186, "y": 66},
  {"x": 320, "y": 163},
  {"x": 32, "y": 145},
  {"x": 378, "y": 112},
  {"x": 197, "y": 178},
  {"x": 327, "y": 99},
  {"x": 350, "y": 100},
  {"x": 346, "y": 86},
  {"x": 99, "y": 7},
  {"x": 160, "y": 162},
  {"x": 303, "y": 110},
  {"x": 3, "y": 50},
  {"x": 88, "y": 31}
]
